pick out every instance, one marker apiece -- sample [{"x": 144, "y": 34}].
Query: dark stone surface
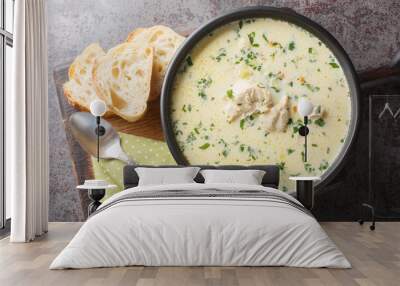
[
  {"x": 368, "y": 30},
  {"x": 341, "y": 199},
  {"x": 385, "y": 157}
]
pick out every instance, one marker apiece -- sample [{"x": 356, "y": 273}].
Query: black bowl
[{"x": 283, "y": 14}]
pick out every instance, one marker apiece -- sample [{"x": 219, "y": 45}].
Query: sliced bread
[
  {"x": 164, "y": 42},
  {"x": 122, "y": 79},
  {"x": 80, "y": 90}
]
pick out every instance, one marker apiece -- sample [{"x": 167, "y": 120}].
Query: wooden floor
[{"x": 375, "y": 257}]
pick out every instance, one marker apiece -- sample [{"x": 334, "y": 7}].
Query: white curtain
[{"x": 27, "y": 124}]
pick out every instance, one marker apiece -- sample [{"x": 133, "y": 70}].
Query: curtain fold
[{"x": 27, "y": 124}]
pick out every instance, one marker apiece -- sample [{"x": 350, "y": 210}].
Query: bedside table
[
  {"x": 96, "y": 190},
  {"x": 305, "y": 190}
]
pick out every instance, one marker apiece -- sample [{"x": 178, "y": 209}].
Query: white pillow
[
  {"x": 248, "y": 177},
  {"x": 163, "y": 176}
]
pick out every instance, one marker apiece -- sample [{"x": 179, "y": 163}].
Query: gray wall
[{"x": 368, "y": 30}]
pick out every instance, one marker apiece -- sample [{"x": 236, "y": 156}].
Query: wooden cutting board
[{"x": 149, "y": 126}]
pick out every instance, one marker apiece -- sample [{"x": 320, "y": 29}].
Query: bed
[{"x": 198, "y": 224}]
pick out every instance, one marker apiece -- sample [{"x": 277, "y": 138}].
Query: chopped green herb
[
  {"x": 311, "y": 87},
  {"x": 251, "y": 152},
  {"x": 310, "y": 50},
  {"x": 240, "y": 24},
  {"x": 314, "y": 145},
  {"x": 189, "y": 61},
  {"x": 308, "y": 85},
  {"x": 223, "y": 142},
  {"x": 204, "y": 146},
  {"x": 265, "y": 37},
  {"x": 190, "y": 138},
  {"x": 281, "y": 165},
  {"x": 292, "y": 46},
  {"x": 290, "y": 151},
  {"x": 202, "y": 94},
  {"x": 249, "y": 57},
  {"x": 323, "y": 166},
  {"x": 320, "y": 122},
  {"x": 184, "y": 108},
  {"x": 309, "y": 168},
  {"x": 196, "y": 130},
  {"x": 248, "y": 120},
  {"x": 251, "y": 37},
  {"x": 276, "y": 44},
  {"x": 225, "y": 153},
  {"x": 229, "y": 93},
  {"x": 273, "y": 44},
  {"x": 202, "y": 84},
  {"x": 222, "y": 53},
  {"x": 297, "y": 125},
  {"x": 242, "y": 121},
  {"x": 334, "y": 65},
  {"x": 275, "y": 89}
]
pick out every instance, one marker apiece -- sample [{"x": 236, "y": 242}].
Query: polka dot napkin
[{"x": 142, "y": 150}]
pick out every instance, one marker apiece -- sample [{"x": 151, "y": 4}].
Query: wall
[{"x": 368, "y": 30}]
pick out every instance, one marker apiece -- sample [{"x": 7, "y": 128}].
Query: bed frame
[{"x": 271, "y": 177}]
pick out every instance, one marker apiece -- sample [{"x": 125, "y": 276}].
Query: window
[{"x": 6, "y": 45}]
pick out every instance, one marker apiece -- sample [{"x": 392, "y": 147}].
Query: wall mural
[
  {"x": 273, "y": 62},
  {"x": 247, "y": 117}
]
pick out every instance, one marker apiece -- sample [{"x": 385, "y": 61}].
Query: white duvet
[{"x": 200, "y": 231}]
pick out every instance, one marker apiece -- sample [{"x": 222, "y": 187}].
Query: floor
[{"x": 375, "y": 257}]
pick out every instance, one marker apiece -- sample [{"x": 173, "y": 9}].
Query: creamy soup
[{"x": 235, "y": 99}]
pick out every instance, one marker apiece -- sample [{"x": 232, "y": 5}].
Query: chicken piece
[
  {"x": 232, "y": 111},
  {"x": 247, "y": 99},
  {"x": 282, "y": 121},
  {"x": 277, "y": 117}
]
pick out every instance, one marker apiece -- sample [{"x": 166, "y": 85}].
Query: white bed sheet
[{"x": 200, "y": 231}]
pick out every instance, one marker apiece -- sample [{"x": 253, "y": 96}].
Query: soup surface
[{"x": 235, "y": 99}]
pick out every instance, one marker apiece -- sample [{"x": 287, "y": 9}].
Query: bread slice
[
  {"x": 135, "y": 33},
  {"x": 164, "y": 42},
  {"x": 80, "y": 90},
  {"x": 122, "y": 79}
]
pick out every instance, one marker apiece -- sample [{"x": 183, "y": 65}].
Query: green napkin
[{"x": 142, "y": 150}]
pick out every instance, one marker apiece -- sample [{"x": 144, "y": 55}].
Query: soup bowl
[{"x": 281, "y": 14}]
